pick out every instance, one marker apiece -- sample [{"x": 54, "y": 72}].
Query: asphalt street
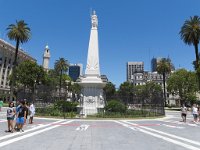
[{"x": 167, "y": 133}]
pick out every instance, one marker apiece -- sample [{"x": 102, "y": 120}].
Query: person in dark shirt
[
  {"x": 21, "y": 115},
  {"x": 26, "y": 109}
]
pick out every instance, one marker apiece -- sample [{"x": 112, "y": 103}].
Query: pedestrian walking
[
  {"x": 27, "y": 110},
  {"x": 10, "y": 117},
  {"x": 17, "y": 110},
  {"x": 1, "y": 104},
  {"x": 21, "y": 115},
  {"x": 32, "y": 112},
  {"x": 198, "y": 109},
  {"x": 195, "y": 112},
  {"x": 184, "y": 113}
]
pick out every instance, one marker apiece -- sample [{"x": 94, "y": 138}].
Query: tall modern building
[
  {"x": 7, "y": 52},
  {"x": 75, "y": 71},
  {"x": 132, "y": 68},
  {"x": 154, "y": 63}
]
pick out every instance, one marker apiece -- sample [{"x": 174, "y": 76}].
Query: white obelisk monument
[{"x": 92, "y": 100}]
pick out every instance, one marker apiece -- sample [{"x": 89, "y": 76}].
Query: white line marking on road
[
  {"x": 31, "y": 134},
  {"x": 193, "y": 125},
  {"x": 171, "y": 126},
  {"x": 128, "y": 126},
  {"x": 32, "y": 129},
  {"x": 83, "y": 127},
  {"x": 182, "y": 123},
  {"x": 43, "y": 118},
  {"x": 3, "y": 120},
  {"x": 163, "y": 137},
  {"x": 167, "y": 134}
]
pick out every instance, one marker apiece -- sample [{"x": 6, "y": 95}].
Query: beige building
[{"x": 7, "y": 52}]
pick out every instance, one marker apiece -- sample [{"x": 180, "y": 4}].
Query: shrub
[
  {"x": 65, "y": 106},
  {"x": 115, "y": 106}
]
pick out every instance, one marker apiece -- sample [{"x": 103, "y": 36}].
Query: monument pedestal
[{"x": 92, "y": 100}]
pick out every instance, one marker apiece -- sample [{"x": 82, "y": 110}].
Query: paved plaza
[{"x": 75, "y": 134}]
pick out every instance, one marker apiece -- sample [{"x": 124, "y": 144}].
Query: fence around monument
[{"x": 136, "y": 106}]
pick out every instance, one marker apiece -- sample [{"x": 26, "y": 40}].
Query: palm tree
[
  {"x": 190, "y": 34},
  {"x": 61, "y": 66},
  {"x": 164, "y": 67},
  {"x": 19, "y": 32}
]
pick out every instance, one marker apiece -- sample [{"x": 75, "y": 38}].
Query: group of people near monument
[
  {"x": 195, "y": 110},
  {"x": 18, "y": 116}
]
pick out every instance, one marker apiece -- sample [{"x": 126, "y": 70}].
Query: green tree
[
  {"x": 109, "y": 90},
  {"x": 183, "y": 84},
  {"x": 149, "y": 90},
  {"x": 126, "y": 92},
  {"x": 61, "y": 66},
  {"x": 76, "y": 91},
  {"x": 19, "y": 32},
  {"x": 29, "y": 74},
  {"x": 164, "y": 67},
  {"x": 190, "y": 34}
]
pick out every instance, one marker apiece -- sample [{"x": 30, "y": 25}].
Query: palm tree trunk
[
  {"x": 60, "y": 84},
  {"x": 197, "y": 63},
  {"x": 197, "y": 55},
  {"x": 13, "y": 78}
]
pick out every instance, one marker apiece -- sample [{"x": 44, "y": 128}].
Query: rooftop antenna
[{"x": 149, "y": 58}]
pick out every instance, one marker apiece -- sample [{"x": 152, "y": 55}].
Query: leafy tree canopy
[
  {"x": 183, "y": 83},
  {"x": 28, "y": 73},
  {"x": 109, "y": 90}
]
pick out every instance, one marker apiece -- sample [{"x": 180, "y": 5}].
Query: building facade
[
  {"x": 7, "y": 52},
  {"x": 137, "y": 76},
  {"x": 132, "y": 68}
]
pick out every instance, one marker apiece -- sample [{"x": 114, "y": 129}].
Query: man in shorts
[{"x": 21, "y": 115}]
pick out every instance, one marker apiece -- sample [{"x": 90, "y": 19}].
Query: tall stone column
[{"x": 91, "y": 83}]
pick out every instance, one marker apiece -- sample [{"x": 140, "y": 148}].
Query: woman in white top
[
  {"x": 32, "y": 113},
  {"x": 195, "y": 112},
  {"x": 10, "y": 117}
]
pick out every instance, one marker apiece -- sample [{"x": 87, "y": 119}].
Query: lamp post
[
  {"x": 34, "y": 90},
  {"x": 81, "y": 105}
]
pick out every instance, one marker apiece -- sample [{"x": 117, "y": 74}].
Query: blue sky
[{"x": 129, "y": 30}]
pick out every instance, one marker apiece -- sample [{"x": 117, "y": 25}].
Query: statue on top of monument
[{"x": 94, "y": 20}]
